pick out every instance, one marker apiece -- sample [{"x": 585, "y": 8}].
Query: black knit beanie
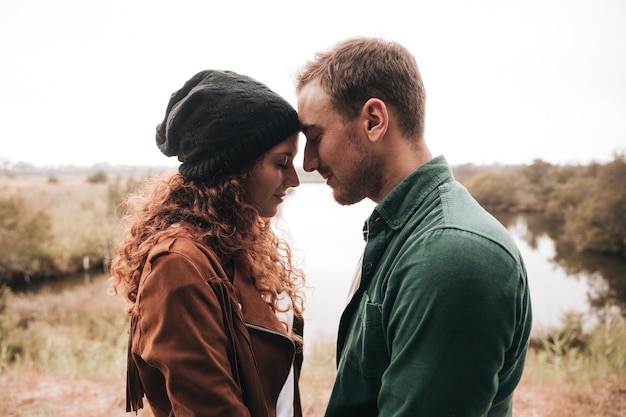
[{"x": 221, "y": 122}]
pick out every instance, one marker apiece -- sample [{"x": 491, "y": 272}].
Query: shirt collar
[{"x": 398, "y": 206}]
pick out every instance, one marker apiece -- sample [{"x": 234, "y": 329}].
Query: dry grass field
[
  {"x": 76, "y": 366},
  {"x": 32, "y": 393}
]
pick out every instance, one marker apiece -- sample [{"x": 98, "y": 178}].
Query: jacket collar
[{"x": 255, "y": 310}]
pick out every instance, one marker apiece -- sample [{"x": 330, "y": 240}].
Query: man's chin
[{"x": 346, "y": 199}]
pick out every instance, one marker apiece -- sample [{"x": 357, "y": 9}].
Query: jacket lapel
[{"x": 255, "y": 310}]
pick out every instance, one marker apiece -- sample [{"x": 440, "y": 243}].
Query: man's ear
[{"x": 375, "y": 119}]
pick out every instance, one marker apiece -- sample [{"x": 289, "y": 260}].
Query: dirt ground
[{"x": 28, "y": 394}]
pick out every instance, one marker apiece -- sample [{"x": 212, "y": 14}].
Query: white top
[
  {"x": 284, "y": 405},
  {"x": 356, "y": 280}
]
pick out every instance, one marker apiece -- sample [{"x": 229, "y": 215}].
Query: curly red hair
[{"x": 215, "y": 214}]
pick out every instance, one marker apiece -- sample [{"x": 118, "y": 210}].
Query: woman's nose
[{"x": 292, "y": 180}]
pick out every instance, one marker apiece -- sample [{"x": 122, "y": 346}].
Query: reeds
[{"x": 78, "y": 337}]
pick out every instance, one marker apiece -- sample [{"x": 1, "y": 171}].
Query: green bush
[
  {"x": 598, "y": 223},
  {"x": 25, "y": 234},
  {"x": 99, "y": 176},
  {"x": 587, "y": 202},
  {"x": 495, "y": 191},
  {"x": 8, "y": 322}
]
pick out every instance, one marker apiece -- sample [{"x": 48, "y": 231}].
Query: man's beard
[{"x": 366, "y": 175}]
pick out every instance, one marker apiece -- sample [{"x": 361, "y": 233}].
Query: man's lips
[{"x": 325, "y": 175}]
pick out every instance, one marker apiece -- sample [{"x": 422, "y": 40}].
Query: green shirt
[{"x": 439, "y": 324}]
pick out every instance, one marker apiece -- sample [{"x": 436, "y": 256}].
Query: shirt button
[{"x": 396, "y": 222}]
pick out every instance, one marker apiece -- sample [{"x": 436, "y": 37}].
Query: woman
[{"x": 215, "y": 304}]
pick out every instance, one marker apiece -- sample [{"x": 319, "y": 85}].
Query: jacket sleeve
[
  {"x": 183, "y": 341},
  {"x": 449, "y": 328}
]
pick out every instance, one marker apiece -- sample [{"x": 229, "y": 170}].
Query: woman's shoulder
[{"x": 186, "y": 247}]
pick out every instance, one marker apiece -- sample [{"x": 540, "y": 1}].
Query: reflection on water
[
  {"x": 65, "y": 283},
  {"x": 329, "y": 238},
  {"x": 602, "y": 277}
]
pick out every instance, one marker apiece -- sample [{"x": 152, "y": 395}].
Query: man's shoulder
[{"x": 452, "y": 220}]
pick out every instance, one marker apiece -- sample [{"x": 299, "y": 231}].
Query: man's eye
[{"x": 315, "y": 139}]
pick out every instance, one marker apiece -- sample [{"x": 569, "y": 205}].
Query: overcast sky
[{"x": 83, "y": 82}]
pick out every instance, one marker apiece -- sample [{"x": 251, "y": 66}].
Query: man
[{"x": 439, "y": 321}]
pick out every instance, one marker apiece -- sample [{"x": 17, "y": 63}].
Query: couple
[{"x": 439, "y": 320}]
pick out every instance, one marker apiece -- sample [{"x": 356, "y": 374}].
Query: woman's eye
[{"x": 283, "y": 164}]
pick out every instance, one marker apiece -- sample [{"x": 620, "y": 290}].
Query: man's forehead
[
  {"x": 314, "y": 107},
  {"x": 312, "y": 94}
]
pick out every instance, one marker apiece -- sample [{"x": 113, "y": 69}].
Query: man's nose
[{"x": 311, "y": 159}]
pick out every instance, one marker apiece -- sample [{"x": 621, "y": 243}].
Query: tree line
[{"x": 585, "y": 203}]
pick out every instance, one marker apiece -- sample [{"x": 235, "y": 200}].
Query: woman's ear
[{"x": 375, "y": 118}]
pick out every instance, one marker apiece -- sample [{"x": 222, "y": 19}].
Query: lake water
[{"x": 327, "y": 237}]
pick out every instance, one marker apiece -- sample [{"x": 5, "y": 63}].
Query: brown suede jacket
[{"x": 200, "y": 345}]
